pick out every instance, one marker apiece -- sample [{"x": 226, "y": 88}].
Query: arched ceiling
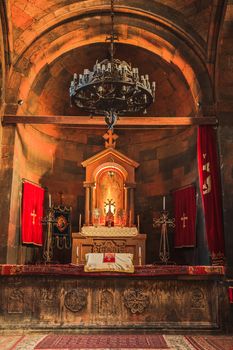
[{"x": 170, "y": 39}]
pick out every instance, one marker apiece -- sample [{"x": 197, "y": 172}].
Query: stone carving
[
  {"x": 47, "y": 296},
  {"x": 75, "y": 300},
  {"x": 197, "y": 300},
  {"x": 106, "y": 304},
  {"x": 136, "y": 300},
  {"x": 109, "y": 247},
  {"x": 15, "y": 302}
]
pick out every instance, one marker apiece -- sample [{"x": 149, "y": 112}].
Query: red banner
[
  {"x": 211, "y": 192},
  {"x": 230, "y": 293},
  {"x": 184, "y": 201},
  {"x": 32, "y": 213}
]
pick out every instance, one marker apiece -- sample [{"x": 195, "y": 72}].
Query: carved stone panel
[
  {"x": 15, "y": 304},
  {"x": 136, "y": 300},
  {"x": 106, "y": 303},
  {"x": 75, "y": 300}
]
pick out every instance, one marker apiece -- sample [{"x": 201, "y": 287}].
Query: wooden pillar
[
  {"x": 87, "y": 206},
  {"x": 131, "y": 205}
]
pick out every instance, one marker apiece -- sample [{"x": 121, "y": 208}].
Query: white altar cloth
[{"x": 119, "y": 262}]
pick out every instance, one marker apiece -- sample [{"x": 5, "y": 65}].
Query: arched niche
[{"x": 110, "y": 175}]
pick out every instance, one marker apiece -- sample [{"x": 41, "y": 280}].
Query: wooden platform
[{"x": 154, "y": 297}]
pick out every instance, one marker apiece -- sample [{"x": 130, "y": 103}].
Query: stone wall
[{"x": 167, "y": 159}]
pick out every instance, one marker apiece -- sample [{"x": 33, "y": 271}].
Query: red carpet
[
  {"x": 120, "y": 341},
  {"x": 211, "y": 342}
]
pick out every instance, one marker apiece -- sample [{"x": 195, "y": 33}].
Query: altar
[
  {"x": 109, "y": 225},
  {"x": 153, "y": 297}
]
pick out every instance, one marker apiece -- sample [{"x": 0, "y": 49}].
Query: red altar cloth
[{"x": 141, "y": 271}]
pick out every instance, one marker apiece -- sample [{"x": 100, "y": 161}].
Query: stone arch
[{"x": 159, "y": 40}]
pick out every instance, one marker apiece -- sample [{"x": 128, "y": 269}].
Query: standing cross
[
  {"x": 183, "y": 219},
  {"x": 110, "y": 139},
  {"x": 33, "y": 214}
]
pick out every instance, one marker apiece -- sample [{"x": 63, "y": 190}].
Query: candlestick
[
  {"x": 164, "y": 201},
  {"x": 140, "y": 255},
  {"x": 138, "y": 221},
  {"x": 50, "y": 200}
]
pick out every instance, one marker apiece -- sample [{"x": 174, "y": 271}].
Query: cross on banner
[
  {"x": 33, "y": 214},
  {"x": 183, "y": 219}
]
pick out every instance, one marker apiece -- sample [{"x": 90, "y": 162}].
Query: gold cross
[
  {"x": 183, "y": 219},
  {"x": 33, "y": 214},
  {"x": 110, "y": 139}
]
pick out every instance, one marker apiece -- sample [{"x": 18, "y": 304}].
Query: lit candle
[
  {"x": 139, "y": 251},
  {"x": 164, "y": 205},
  {"x": 138, "y": 220},
  {"x": 50, "y": 200}
]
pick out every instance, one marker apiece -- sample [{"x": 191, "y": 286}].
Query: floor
[{"x": 74, "y": 341}]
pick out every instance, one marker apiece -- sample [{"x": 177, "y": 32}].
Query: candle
[
  {"x": 138, "y": 220},
  {"x": 164, "y": 206},
  {"x": 139, "y": 251},
  {"x": 80, "y": 223},
  {"x": 77, "y": 251},
  {"x": 50, "y": 200},
  {"x": 130, "y": 218}
]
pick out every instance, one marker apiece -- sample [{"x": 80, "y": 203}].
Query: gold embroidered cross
[
  {"x": 110, "y": 139},
  {"x": 183, "y": 219},
  {"x": 33, "y": 214}
]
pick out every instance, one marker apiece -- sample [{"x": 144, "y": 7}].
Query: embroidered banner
[
  {"x": 211, "y": 192},
  {"x": 184, "y": 201},
  {"x": 32, "y": 213}
]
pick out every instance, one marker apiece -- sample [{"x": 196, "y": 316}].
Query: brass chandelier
[{"x": 113, "y": 87}]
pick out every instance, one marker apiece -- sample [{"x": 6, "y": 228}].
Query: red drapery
[
  {"x": 32, "y": 213},
  {"x": 184, "y": 201},
  {"x": 210, "y": 187}
]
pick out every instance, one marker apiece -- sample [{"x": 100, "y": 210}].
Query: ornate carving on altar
[
  {"x": 109, "y": 246},
  {"x": 15, "y": 302},
  {"x": 75, "y": 300},
  {"x": 136, "y": 300}
]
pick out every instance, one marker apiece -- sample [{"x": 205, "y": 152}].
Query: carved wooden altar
[{"x": 109, "y": 201}]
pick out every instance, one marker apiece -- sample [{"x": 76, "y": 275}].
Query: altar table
[{"x": 153, "y": 297}]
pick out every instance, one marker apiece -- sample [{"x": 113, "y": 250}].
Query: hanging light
[{"x": 113, "y": 87}]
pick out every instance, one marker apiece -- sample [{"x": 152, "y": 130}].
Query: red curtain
[
  {"x": 210, "y": 187},
  {"x": 32, "y": 213},
  {"x": 184, "y": 201}
]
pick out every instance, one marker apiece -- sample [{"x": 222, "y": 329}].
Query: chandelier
[{"x": 112, "y": 87}]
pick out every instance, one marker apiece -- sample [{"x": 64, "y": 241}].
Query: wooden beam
[{"x": 85, "y": 121}]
